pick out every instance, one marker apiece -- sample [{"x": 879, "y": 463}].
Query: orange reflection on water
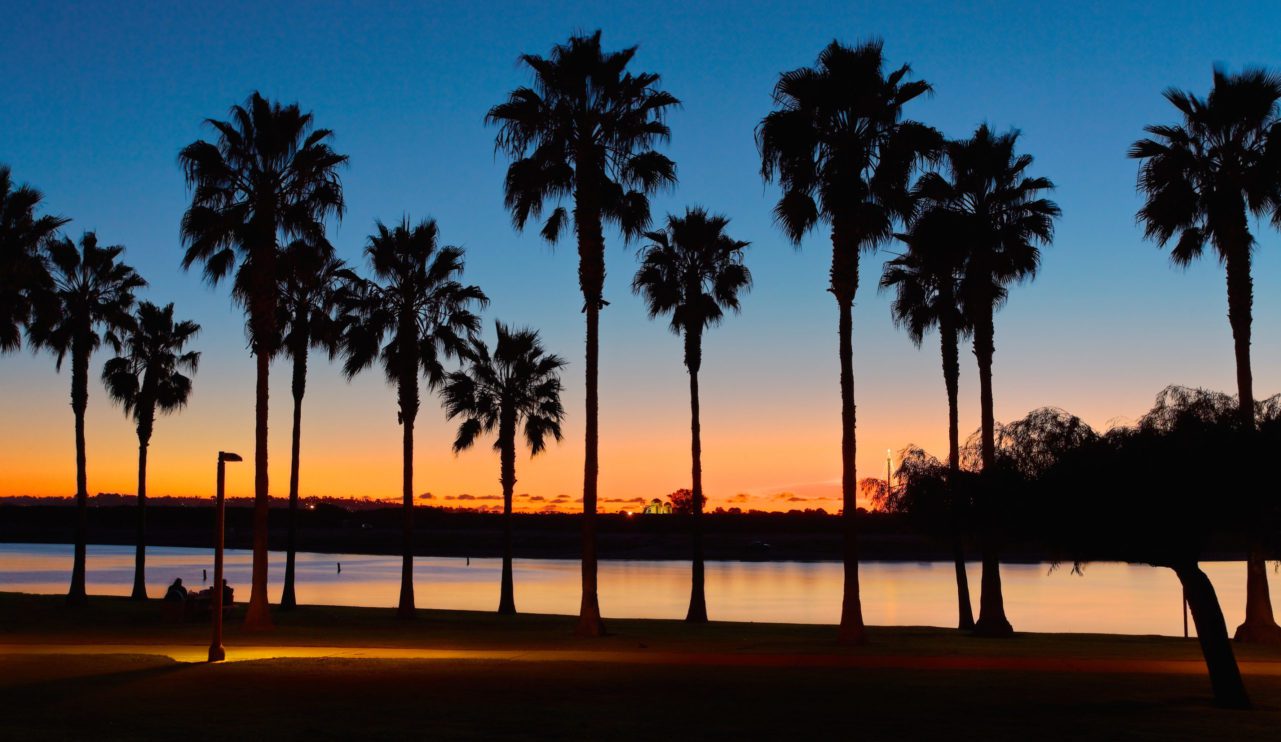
[{"x": 1107, "y": 598}]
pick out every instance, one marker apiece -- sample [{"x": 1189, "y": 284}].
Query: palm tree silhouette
[
  {"x": 926, "y": 281},
  {"x": 1202, "y": 178},
  {"x": 148, "y": 377},
  {"x": 999, "y": 217},
  {"x": 417, "y": 304},
  {"x": 24, "y": 277},
  {"x": 586, "y": 130},
  {"x": 518, "y": 384},
  {"x": 842, "y": 152},
  {"x": 91, "y": 295},
  {"x": 693, "y": 271},
  {"x": 311, "y": 282},
  {"x": 269, "y": 176}
]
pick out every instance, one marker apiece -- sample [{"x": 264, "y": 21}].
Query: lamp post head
[{"x": 228, "y": 456}]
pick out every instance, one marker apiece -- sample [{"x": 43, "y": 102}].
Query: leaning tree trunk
[
  {"x": 76, "y": 596},
  {"x": 288, "y": 600},
  {"x": 507, "y": 452},
  {"x": 844, "y": 286},
  {"x": 951, "y": 379},
  {"x": 146, "y": 414},
  {"x": 1259, "y": 624},
  {"x": 408, "y": 413},
  {"x": 1212, "y": 633},
  {"x": 591, "y": 279},
  {"x": 697, "y": 596},
  {"x": 992, "y": 620}
]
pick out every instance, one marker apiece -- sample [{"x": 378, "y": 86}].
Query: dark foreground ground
[{"x": 481, "y": 676}]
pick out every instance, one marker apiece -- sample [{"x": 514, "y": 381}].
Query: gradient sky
[{"x": 98, "y": 98}]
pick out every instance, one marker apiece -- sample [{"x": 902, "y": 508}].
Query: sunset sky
[{"x": 98, "y": 100}]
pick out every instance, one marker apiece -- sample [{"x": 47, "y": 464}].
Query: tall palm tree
[
  {"x": 417, "y": 304},
  {"x": 926, "y": 281},
  {"x": 1203, "y": 177},
  {"x": 270, "y": 176},
  {"x": 311, "y": 283},
  {"x": 693, "y": 271},
  {"x": 840, "y": 148},
  {"x": 150, "y": 375},
  {"x": 91, "y": 295},
  {"x": 518, "y": 385},
  {"x": 24, "y": 276},
  {"x": 585, "y": 131},
  {"x": 999, "y": 218}
]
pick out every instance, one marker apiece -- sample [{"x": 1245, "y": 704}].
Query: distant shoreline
[{"x": 771, "y": 537}]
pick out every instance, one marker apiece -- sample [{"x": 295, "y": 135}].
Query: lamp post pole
[
  {"x": 216, "y": 651},
  {"x": 888, "y": 457}
]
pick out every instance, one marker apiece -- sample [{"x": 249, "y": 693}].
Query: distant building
[{"x": 657, "y": 507}]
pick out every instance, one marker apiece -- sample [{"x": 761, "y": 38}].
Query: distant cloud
[
  {"x": 741, "y": 497},
  {"x": 426, "y": 496},
  {"x": 536, "y": 498}
]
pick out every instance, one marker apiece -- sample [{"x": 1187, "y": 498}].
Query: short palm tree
[
  {"x": 926, "y": 284},
  {"x": 90, "y": 301},
  {"x": 693, "y": 272},
  {"x": 270, "y": 176},
  {"x": 840, "y": 148},
  {"x": 416, "y": 303},
  {"x": 311, "y": 283},
  {"x": 24, "y": 276},
  {"x": 999, "y": 217},
  {"x": 1203, "y": 178},
  {"x": 585, "y": 131},
  {"x": 150, "y": 375},
  {"x": 517, "y": 386}
]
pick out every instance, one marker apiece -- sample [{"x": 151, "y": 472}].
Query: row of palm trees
[{"x": 582, "y": 139}]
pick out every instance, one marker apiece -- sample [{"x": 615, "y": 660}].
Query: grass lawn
[{"x": 107, "y": 696}]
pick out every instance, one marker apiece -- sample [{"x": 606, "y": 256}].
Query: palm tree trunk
[
  {"x": 405, "y": 609},
  {"x": 77, "y": 596},
  {"x": 140, "y": 552},
  {"x": 507, "y": 446},
  {"x": 1259, "y": 624},
  {"x": 288, "y": 601},
  {"x": 951, "y": 379},
  {"x": 258, "y": 615},
  {"x": 591, "y": 279},
  {"x": 1212, "y": 633},
  {"x": 697, "y": 596},
  {"x": 844, "y": 286},
  {"x": 992, "y": 620}
]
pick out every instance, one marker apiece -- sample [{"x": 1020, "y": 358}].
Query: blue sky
[{"x": 99, "y": 97}]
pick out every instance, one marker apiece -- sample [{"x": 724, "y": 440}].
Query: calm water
[{"x": 1109, "y": 597}]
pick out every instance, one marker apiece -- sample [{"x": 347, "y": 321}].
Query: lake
[{"x": 1108, "y": 597}]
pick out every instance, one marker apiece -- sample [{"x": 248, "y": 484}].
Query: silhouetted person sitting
[
  {"x": 227, "y": 593},
  {"x": 176, "y": 591}
]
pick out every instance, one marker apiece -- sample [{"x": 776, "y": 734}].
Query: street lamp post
[{"x": 216, "y": 651}]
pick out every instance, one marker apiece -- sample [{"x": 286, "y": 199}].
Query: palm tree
[
  {"x": 926, "y": 281},
  {"x": 518, "y": 384},
  {"x": 1202, "y": 178},
  {"x": 842, "y": 152},
  {"x": 270, "y": 176},
  {"x": 24, "y": 277},
  {"x": 586, "y": 130},
  {"x": 694, "y": 272},
  {"x": 310, "y": 285},
  {"x": 418, "y": 305},
  {"x": 91, "y": 295},
  {"x": 146, "y": 378},
  {"x": 999, "y": 217}
]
